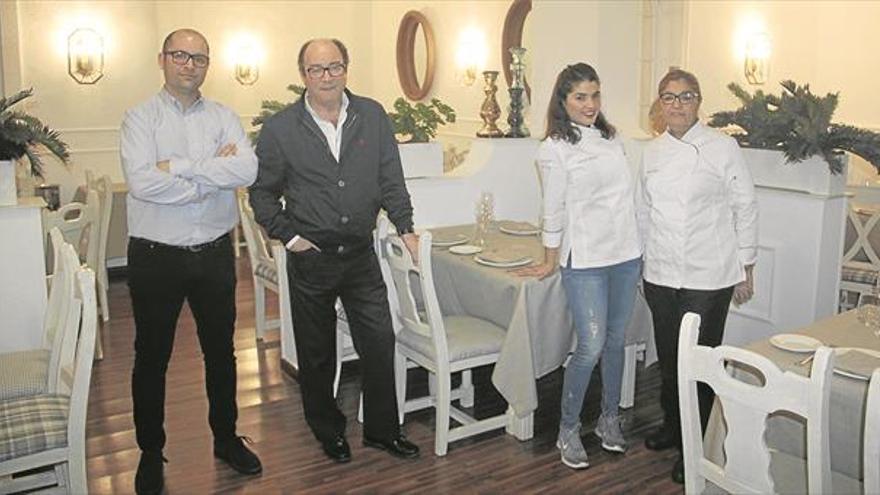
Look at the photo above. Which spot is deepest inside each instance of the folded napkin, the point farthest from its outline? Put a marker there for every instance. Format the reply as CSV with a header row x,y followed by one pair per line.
x,y
857,362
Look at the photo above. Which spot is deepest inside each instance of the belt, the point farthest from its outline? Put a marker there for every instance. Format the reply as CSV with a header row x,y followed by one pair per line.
x,y
345,248
196,248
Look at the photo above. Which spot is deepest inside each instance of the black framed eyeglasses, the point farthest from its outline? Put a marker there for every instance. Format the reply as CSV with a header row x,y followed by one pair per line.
x,y
685,98
180,57
317,71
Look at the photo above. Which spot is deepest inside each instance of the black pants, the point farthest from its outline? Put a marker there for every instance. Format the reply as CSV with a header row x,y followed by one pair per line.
x,y
668,307
316,280
160,278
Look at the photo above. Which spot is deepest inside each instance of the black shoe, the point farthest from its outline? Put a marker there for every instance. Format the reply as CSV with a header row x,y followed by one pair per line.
x,y
238,456
149,478
678,471
661,439
398,446
337,449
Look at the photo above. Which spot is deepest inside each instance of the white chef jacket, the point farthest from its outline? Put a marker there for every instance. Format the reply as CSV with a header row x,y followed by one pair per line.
x,y
589,204
697,211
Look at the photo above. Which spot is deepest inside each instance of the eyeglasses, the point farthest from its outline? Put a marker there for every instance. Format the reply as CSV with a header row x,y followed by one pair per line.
x,y
317,71
685,98
180,57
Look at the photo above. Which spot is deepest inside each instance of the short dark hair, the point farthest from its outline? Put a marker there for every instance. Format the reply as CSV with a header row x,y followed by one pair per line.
x,y
184,31
558,123
680,75
300,62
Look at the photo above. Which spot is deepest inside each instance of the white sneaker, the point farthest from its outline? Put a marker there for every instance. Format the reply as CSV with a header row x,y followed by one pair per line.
x,y
608,430
571,448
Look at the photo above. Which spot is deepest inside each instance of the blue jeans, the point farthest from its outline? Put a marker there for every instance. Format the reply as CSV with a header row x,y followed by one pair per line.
x,y
601,301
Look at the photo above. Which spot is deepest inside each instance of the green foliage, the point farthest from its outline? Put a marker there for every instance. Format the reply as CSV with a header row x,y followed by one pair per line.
x,y
270,107
21,133
799,124
418,123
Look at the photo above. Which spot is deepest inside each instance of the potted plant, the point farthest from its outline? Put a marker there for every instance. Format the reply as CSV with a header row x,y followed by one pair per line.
x,y
796,127
415,126
20,135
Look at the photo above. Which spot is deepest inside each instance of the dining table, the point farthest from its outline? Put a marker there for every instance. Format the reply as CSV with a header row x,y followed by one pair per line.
x,y
534,313
857,354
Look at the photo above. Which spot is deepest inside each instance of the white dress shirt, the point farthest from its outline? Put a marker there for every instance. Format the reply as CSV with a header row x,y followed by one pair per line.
x,y
697,211
588,201
196,202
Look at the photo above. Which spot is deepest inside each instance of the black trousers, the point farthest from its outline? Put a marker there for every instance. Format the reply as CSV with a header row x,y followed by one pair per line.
x,y
668,307
160,279
316,280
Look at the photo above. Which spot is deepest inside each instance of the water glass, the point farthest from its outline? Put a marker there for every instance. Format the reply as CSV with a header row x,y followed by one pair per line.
x,y
869,312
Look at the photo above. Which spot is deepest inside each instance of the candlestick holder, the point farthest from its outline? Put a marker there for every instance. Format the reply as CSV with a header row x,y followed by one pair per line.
x,y
489,110
515,119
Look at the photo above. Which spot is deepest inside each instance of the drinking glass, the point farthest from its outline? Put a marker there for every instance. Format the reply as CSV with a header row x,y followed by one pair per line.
x,y
869,312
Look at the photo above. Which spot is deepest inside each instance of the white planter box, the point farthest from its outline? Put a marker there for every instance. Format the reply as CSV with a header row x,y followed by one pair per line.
x,y
421,159
769,169
7,183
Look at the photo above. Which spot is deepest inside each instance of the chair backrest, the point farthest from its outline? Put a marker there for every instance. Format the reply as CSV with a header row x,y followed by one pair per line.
x,y
380,236
60,283
62,311
253,235
872,435
64,354
861,230
417,306
745,408
104,189
78,222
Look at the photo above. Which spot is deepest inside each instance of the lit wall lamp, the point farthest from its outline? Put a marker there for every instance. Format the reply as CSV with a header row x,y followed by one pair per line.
x,y
85,56
246,56
756,65
470,58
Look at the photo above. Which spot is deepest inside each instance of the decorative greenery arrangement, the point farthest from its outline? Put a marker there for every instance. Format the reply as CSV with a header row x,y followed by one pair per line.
x,y
418,123
270,107
21,133
799,124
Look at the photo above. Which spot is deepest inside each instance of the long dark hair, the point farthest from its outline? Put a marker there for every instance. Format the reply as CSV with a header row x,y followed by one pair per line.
x,y
559,126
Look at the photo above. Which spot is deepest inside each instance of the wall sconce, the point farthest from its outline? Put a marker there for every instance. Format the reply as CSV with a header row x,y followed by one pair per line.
x,y
757,58
246,56
470,58
85,56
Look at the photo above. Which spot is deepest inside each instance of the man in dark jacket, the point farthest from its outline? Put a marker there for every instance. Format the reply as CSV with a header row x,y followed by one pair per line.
x,y
333,158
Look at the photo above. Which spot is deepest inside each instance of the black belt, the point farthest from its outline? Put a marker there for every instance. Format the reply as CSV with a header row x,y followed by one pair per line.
x,y
345,248
196,248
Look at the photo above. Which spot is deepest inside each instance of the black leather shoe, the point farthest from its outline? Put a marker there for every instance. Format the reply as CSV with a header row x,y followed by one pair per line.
x,y
398,446
678,471
661,439
238,456
337,449
150,478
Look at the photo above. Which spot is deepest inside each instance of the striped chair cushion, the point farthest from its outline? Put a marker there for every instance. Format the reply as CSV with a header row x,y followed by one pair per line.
x,y
23,373
858,275
29,425
267,273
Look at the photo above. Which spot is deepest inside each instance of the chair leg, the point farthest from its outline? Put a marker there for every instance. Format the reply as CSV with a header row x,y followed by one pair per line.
x,y
340,344
467,389
260,308
77,480
628,385
442,402
102,296
400,383
99,343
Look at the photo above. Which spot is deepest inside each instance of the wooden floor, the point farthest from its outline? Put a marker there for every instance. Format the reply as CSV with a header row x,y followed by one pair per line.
x,y
270,413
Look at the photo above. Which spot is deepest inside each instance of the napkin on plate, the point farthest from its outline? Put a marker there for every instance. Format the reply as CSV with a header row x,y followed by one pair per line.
x,y
501,256
857,363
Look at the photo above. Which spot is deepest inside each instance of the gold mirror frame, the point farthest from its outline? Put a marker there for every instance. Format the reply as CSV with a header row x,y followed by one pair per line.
x,y
511,36
406,67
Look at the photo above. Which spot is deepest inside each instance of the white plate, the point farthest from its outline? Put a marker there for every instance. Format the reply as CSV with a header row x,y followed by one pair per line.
x,y
453,241
465,249
795,342
844,350
515,231
505,264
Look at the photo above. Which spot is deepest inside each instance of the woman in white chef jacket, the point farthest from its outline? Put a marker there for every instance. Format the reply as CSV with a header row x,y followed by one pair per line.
x,y
590,233
698,218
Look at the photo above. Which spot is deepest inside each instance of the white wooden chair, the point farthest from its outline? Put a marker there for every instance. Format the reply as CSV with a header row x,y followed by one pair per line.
x,y
104,188
751,467
860,267
37,371
872,436
264,268
441,344
49,429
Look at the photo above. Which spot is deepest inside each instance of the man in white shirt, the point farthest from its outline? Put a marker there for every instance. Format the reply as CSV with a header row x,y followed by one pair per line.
x,y
183,158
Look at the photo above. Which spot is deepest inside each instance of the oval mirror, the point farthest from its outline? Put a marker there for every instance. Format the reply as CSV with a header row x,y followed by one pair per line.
x,y
409,47
512,36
